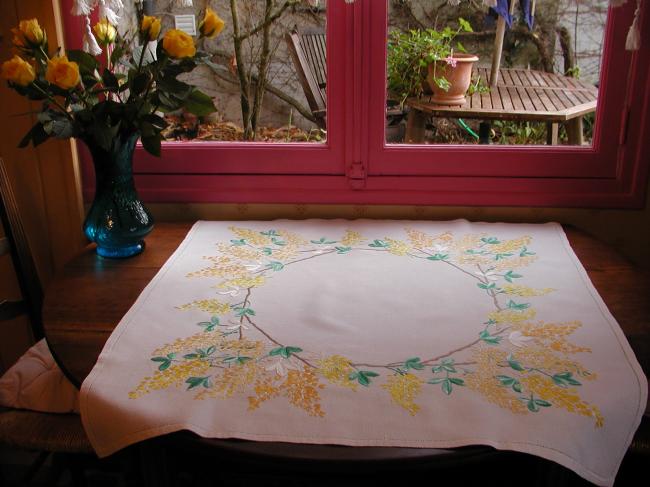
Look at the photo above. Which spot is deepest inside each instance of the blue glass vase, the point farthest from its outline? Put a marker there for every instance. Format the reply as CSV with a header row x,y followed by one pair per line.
x,y
117,220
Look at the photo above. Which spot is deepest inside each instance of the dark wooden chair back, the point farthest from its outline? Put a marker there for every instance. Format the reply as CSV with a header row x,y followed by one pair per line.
x,y
308,51
15,243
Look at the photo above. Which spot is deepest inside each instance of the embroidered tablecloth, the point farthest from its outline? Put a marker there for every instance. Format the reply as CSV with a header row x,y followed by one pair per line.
x,y
384,333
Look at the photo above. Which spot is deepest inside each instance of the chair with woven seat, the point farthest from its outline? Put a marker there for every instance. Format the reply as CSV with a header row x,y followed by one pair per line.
x,y
48,433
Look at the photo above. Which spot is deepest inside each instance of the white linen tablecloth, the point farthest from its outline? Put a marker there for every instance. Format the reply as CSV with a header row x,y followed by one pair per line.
x,y
382,333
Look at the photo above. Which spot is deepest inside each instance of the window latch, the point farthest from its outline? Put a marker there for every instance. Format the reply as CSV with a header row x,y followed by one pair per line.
x,y
357,175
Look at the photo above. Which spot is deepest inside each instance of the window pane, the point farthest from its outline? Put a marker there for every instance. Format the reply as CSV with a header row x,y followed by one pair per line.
x,y
546,87
280,103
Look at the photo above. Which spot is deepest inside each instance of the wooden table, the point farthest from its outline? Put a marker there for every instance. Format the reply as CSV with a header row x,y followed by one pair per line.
x,y
520,95
88,298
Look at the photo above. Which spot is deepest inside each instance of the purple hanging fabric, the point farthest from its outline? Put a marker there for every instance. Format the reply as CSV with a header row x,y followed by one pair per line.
x,y
502,8
526,11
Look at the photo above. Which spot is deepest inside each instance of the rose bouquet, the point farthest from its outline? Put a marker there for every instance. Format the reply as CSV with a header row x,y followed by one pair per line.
x,y
109,95
118,92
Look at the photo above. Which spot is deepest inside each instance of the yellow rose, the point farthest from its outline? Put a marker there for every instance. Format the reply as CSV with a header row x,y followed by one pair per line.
x,y
178,44
212,24
62,73
18,71
150,27
105,32
30,31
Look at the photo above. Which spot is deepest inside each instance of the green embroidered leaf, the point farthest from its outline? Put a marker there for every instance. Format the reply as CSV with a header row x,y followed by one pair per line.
x,y
457,381
524,252
565,379
363,376
447,387
487,338
492,285
502,256
490,240
236,360
506,380
198,381
448,367
267,251
190,356
436,368
165,362
514,364
544,404
323,241
210,325
276,266
285,351
378,244
211,350
436,381
413,363
516,306
277,242
438,257
532,406
244,311
510,275
271,233
238,242
343,250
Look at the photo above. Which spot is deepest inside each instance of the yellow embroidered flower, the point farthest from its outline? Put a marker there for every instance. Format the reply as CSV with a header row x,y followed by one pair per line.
x,y
483,380
18,71
212,24
29,32
525,291
511,316
404,388
174,376
178,44
233,380
150,27
563,397
302,390
62,73
243,282
508,246
337,370
397,247
351,238
419,239
212,306
251,236
105,32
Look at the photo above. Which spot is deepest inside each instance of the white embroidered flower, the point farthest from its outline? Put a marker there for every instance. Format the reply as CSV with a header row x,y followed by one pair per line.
x,y
518,339
439,248
253,267
488,275
234,291
237,327
280,367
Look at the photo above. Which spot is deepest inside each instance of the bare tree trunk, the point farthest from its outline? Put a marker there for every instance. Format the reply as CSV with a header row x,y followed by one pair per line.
x,y
567,51
244,83
263,65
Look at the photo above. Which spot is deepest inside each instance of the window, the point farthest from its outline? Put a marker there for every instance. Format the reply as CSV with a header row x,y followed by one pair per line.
x,y
357,165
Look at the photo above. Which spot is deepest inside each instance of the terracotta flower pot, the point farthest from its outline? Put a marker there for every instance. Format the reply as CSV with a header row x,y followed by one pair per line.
x,y
459,76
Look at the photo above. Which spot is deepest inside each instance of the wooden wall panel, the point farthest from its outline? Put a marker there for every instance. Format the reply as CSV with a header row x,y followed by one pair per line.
x,y
45,180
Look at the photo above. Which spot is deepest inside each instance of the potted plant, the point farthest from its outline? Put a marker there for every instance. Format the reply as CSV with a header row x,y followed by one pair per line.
x,y
433,57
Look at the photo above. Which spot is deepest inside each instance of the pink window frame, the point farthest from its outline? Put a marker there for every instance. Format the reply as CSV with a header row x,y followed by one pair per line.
x,y
356,166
